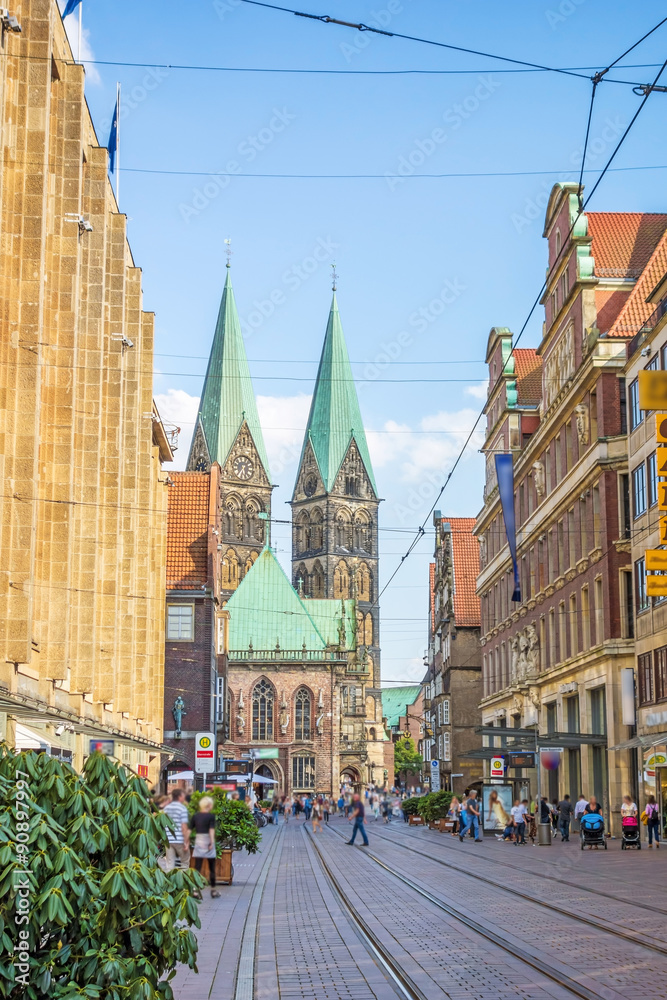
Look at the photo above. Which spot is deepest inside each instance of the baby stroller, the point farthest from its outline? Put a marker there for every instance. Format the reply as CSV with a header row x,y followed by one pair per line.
x,y
592,831
630,833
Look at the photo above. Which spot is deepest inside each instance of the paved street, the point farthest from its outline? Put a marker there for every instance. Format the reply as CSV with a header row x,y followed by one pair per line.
x,y
420,915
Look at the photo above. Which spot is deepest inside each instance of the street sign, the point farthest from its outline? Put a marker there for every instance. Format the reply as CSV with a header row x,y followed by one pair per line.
x,y
551,749
265,753
524,759
205,753
653,390
102,746
497,767
435,775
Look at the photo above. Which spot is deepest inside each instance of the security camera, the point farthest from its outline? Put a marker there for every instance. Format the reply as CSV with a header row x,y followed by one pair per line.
x,y
8,21
59,730
646,352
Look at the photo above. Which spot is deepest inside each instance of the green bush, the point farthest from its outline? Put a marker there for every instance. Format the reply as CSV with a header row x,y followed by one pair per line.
x,y
235,826
411,806
434,806
81,894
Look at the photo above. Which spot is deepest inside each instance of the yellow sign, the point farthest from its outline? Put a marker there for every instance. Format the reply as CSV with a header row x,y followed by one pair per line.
x,y
662,496
662,527
204,742
662,461
656,586
661,428
656,559
653,390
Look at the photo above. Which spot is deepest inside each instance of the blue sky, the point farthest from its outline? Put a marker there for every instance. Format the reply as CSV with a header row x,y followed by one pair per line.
x,y
427,266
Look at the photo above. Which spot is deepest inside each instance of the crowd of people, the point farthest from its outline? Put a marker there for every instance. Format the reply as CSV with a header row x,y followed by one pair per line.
x,y
319,808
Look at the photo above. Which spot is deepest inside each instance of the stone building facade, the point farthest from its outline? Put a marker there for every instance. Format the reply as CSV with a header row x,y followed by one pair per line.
x,y
453,684
553,660
83,523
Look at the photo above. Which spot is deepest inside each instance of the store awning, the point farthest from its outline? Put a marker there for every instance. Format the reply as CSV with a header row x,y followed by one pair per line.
x,y
524,739
645,742
261,780
181,776
32,739
24,709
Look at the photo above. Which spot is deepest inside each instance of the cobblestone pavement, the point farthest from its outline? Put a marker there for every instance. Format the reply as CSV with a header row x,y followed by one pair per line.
x,y
284,931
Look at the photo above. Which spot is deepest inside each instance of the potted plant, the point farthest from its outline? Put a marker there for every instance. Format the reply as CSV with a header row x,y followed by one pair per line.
x,y
235,829
410,808
433,808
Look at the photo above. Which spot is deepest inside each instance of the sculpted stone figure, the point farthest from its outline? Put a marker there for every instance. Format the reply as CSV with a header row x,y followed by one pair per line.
x,y
581,412
515,660
240,717
178,711
283,717
482,550
533,652
539,479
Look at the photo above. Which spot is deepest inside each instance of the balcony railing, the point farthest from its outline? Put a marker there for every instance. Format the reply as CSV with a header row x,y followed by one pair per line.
x,y
287,655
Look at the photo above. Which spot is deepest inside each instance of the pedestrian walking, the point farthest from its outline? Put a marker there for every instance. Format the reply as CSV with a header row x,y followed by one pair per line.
x,y
203,823
628,807
579,809
519,822
376,806
652,821
178,840
454,814
316,815
553,816
565,813
307,807
359,817
326,808
287,807
275,808
386,813
341,803
471,809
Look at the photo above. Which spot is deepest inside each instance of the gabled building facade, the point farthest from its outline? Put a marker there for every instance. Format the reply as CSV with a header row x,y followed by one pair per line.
x,y
553,660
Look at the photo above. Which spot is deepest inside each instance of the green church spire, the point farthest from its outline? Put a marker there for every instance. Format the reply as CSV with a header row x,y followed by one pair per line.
x,y
227,398
335,419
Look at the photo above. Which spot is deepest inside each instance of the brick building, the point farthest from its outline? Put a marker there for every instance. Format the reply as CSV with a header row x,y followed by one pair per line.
x,y
644,318
83,520
403,716
453,683
553,660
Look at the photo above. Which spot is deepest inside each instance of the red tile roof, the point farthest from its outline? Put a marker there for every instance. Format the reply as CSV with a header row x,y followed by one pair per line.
x,y
637,310
187,530
624,241
465,556
528,369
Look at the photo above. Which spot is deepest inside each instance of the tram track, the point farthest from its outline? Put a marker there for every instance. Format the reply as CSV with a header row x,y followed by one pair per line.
x,y
631,936
555,975
533,874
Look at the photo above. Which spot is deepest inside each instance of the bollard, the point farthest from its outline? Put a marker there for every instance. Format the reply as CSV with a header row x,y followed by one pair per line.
x,y
544,834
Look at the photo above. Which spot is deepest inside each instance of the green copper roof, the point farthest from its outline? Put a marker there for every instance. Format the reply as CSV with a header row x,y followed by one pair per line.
x,y
335,417
265,610
227,397
395,700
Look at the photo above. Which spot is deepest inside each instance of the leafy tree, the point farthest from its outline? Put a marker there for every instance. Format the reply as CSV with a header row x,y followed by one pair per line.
x,y
235,825
434,806
85,910
406,758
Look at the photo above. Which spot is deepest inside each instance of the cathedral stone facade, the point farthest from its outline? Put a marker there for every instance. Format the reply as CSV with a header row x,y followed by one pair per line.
x,y
300,667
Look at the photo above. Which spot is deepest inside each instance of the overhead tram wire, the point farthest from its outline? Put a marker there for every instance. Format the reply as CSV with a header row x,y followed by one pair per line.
x,y
582,206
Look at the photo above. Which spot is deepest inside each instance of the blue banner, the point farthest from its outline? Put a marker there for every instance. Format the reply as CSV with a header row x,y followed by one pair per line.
x,y
70,7
112,144
505,475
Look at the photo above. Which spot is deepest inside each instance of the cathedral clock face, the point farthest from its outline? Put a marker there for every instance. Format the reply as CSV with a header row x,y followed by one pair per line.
x,y
243,467
310,486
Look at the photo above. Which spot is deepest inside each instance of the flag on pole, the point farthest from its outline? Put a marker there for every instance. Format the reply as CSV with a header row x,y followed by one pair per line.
x,y
112,144
505,474
70,7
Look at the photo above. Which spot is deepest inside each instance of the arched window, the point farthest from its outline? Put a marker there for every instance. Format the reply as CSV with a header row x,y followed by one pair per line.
x,y
301,581
249,561
372,734
303,773
316,532
343,530
303,532
362,531
558,241
302,710
368,630
230,570
233,518
262,711
317,580
361,640
363,578
341,581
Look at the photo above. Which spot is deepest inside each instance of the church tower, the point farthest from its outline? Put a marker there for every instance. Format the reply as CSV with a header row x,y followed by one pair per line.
x,y
228,432
335,501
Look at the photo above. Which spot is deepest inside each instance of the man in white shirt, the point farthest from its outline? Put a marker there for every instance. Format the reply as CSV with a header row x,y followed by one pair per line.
x,y
579,810
519,820
178,839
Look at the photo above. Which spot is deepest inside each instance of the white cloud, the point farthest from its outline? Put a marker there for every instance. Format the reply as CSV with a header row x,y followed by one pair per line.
x,y
479,391
283,420
178,407
72,28
423,450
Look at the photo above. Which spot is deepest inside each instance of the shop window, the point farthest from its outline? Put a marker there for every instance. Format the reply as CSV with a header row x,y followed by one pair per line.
x,y
303,773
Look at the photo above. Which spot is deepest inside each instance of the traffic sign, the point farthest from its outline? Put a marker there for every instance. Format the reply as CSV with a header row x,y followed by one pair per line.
x,y
497,767
435,775
205,753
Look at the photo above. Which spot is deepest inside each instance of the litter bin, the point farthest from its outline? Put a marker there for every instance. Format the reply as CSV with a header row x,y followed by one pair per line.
x,y
544,834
